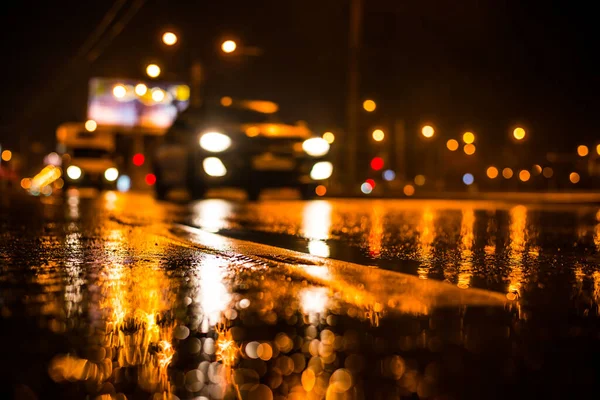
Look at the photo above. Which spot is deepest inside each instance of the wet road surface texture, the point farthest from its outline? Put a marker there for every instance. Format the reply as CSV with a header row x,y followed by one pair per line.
x,y
119,296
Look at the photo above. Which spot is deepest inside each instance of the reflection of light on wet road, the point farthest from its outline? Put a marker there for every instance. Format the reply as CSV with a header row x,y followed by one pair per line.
x,y
212,214
518,225
466,248
316,226
213,296
376,231
314,300
426,230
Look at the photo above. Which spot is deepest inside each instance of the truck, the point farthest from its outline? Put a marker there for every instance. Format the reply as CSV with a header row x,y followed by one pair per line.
x,y
88,155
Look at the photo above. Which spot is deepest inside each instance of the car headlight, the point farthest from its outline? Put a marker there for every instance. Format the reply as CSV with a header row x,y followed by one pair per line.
x,y
111,174
215,142
74,172
315,147
321,170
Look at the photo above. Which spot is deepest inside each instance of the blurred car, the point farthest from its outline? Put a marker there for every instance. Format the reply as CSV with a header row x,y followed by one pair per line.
x,y
89,156
239,145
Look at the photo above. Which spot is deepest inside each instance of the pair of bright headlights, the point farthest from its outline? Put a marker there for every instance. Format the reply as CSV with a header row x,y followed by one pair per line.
x,y
74,172
217,142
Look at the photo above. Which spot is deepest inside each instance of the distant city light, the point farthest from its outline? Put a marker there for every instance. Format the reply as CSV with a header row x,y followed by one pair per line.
x,y
111,174
420,180
228,46
507,173
378,135
428,131
468,179
169,38
153,70
492,172
524,175
582,150
90,125
138,159
409,190
574,177
320,190
226,101
519,133
150,179
598,149
26,183
452,145
53,159
536,169
6,155
377,163
141,89
468,137
547,172
389,175
119,91
123,183
369,105
469,149
371,182
366,188
329,137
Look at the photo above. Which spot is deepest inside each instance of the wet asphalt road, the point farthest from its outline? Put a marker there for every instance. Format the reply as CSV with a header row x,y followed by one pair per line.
x,y
119,296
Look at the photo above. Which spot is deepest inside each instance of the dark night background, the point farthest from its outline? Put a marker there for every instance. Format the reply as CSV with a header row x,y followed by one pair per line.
x,y
478,65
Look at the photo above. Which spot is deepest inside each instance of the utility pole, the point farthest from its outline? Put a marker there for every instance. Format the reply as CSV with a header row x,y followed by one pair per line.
x,y
353,100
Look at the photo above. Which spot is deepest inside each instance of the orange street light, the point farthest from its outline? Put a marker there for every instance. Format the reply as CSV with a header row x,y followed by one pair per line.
x,y
492,172
153,70
228,46
378,135
582,150
169,38
369,105
519,133
468,137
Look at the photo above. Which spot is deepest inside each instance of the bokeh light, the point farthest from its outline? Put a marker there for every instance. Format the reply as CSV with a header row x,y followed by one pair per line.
x,y
519,133
420,180
141,89
409,190
90,125
366,188
492,172
138,159
469,149
123,183
452,144
582,150
377,163
169,38
468,179
369,105
158,95
507,173
228,46
119,91
574,177
524,175
547,172
6,155
150,179
428,131
152,70
536,170
468,137
378,135
320,190
226,101
389,175
329,137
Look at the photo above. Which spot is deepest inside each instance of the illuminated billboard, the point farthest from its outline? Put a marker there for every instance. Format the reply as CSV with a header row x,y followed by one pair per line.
x,y
136,104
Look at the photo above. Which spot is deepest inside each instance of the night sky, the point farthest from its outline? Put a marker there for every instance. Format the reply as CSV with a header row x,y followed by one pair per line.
x,y
468,65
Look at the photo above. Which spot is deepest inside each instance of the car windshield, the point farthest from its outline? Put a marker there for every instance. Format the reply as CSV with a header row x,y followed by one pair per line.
x,y
91,153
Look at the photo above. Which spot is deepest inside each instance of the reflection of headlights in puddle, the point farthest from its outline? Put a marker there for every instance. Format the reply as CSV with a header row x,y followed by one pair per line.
x,y
318,248
214,296
318,272
314,300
